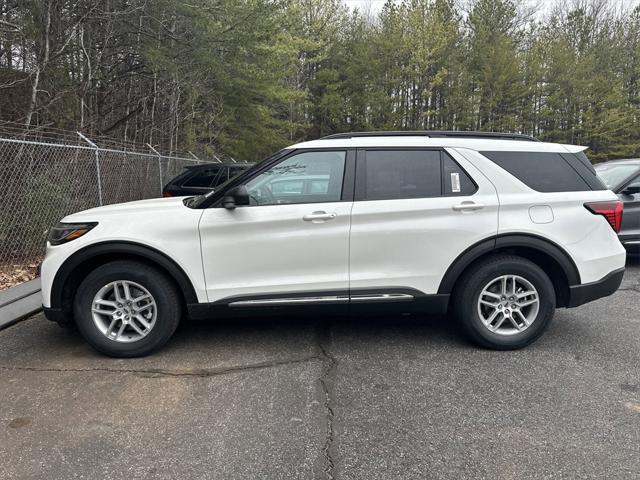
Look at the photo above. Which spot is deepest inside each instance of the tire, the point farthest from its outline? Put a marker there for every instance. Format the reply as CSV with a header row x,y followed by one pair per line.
x,y
524,324
144,330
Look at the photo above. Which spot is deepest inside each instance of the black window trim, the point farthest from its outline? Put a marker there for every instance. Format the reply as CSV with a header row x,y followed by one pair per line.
x,y
361,170
348,177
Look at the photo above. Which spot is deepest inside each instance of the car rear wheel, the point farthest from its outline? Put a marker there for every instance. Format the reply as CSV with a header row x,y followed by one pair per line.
x,y
127,309
505,302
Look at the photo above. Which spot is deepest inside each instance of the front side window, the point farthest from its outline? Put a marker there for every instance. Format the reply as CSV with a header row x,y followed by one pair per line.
x,y
635,183
309,177
613,175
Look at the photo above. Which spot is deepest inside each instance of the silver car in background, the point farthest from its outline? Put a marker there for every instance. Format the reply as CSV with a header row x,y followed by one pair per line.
x,y
623,177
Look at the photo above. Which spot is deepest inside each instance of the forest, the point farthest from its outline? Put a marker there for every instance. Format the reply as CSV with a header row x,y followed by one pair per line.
x,y
247,77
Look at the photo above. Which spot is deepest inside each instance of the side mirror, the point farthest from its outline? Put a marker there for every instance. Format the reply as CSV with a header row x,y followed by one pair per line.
x,y
236,197
631,189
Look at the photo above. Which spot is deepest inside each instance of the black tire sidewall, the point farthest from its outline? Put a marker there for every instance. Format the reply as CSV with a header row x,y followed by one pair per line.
x,y
162,290
480,277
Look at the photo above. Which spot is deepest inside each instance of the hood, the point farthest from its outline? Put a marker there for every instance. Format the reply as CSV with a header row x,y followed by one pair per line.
x,y
151,206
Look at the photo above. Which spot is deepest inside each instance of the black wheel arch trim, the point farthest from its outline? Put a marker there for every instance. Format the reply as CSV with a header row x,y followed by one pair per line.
x,y
507,240
131,248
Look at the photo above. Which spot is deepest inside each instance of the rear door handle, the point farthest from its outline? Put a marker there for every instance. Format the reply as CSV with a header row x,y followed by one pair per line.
x,y
467,207
319,216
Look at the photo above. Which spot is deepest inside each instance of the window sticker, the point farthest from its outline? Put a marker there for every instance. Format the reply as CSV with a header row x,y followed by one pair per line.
x,y
455,182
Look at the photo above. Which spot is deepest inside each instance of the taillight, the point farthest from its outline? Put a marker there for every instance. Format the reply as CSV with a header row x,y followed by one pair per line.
x,y
166,194
612,211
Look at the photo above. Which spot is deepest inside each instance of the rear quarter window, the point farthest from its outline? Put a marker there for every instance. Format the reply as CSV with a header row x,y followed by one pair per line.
x,y
548,171
455,180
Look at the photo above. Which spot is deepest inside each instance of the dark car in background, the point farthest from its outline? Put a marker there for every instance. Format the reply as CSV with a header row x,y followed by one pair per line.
x,y
623,177
203,178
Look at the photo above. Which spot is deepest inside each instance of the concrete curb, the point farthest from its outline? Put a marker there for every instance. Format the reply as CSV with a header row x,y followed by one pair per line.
x,y
19,302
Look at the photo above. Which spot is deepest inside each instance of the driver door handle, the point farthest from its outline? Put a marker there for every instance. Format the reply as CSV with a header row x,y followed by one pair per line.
x,y
467,207
319,216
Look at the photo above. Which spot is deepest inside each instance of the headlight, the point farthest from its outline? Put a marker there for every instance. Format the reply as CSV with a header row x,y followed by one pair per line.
x,y
65,232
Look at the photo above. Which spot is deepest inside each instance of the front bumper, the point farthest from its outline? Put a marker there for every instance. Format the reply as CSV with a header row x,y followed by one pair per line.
x,y
55,314
588,292
630,242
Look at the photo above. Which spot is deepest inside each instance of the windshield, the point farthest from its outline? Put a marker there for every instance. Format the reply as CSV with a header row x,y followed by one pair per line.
x,y
614,174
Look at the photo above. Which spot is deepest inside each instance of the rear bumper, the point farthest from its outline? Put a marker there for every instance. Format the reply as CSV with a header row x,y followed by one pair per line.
x,y
588,292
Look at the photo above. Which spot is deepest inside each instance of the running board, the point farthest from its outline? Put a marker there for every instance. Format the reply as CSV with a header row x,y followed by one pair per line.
x,y
290,301
333,299
382,297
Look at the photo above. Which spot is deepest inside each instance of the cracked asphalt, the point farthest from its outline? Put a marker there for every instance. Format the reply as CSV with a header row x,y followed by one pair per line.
x,y
344,398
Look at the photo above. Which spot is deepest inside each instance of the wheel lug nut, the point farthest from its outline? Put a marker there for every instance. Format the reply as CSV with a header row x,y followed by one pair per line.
x,y
506,311
514,306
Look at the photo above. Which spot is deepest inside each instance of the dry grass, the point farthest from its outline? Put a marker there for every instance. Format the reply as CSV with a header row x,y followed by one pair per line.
x,y
15,274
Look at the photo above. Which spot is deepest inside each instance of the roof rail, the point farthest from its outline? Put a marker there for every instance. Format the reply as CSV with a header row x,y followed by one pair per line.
x,y
435,134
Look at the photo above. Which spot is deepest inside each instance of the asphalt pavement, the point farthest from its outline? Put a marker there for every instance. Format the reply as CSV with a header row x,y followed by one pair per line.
x,y
395,397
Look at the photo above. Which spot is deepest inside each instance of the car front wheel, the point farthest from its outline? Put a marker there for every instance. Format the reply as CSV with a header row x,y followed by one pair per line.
x,y
505,302
127,309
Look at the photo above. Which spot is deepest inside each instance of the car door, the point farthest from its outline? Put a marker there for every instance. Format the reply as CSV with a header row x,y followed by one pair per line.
x,y
415,212
290,244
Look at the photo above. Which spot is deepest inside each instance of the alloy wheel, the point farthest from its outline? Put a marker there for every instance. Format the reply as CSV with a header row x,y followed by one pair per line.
x,y
124,311
508,305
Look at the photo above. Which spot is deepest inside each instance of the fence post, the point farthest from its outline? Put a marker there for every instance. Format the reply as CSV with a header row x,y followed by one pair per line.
x,y
159,165
194,156
97,166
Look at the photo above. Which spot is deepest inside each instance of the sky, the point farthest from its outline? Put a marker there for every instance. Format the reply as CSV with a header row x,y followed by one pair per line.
x,y
376,5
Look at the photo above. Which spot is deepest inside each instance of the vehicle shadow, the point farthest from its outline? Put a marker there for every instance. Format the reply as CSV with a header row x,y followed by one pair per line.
x,y
326,329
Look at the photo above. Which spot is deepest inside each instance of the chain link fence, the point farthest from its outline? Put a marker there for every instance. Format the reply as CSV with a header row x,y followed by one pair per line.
x,y
41,182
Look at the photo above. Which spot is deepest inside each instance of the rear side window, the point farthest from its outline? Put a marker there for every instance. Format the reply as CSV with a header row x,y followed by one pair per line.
x,y
545,171
395,174
203,178
399,174
222,177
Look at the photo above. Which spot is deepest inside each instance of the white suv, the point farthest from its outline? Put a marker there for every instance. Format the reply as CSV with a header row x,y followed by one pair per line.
x,y
500,229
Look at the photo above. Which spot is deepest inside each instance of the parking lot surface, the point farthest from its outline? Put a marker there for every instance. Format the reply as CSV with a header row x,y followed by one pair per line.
x,y
344,398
